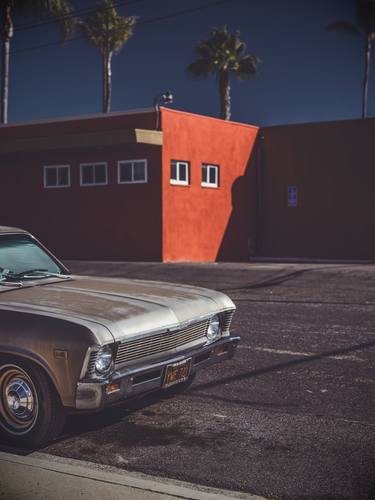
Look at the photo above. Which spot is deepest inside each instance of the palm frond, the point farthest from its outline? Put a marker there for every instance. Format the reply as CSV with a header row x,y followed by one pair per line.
x,y
366,16
343,27
223,51
106,29
223,55
204,51
200,68
246,67
240,49
56,10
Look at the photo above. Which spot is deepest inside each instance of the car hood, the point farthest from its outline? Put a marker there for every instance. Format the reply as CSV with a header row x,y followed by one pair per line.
x,y
124,307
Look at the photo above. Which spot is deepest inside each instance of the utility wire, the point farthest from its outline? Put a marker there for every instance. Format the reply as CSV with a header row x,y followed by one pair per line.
x,y
141,23
183,12
71,15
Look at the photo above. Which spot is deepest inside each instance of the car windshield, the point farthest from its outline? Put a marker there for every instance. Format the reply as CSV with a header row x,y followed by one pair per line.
x,y
20,255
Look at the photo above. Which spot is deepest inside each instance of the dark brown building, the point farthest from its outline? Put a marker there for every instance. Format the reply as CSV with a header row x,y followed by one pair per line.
x,y
316,187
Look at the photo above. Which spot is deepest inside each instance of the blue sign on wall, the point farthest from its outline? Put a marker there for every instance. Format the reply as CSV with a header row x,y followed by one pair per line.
x,y
292,196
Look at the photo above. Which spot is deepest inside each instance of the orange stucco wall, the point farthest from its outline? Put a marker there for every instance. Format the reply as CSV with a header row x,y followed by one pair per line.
x,y
208,224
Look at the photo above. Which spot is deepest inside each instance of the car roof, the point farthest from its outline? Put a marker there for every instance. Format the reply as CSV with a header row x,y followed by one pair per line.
x,y
7,229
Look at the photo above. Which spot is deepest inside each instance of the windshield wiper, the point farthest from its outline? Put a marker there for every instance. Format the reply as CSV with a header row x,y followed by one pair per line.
x,y
7,275
37,273
4,280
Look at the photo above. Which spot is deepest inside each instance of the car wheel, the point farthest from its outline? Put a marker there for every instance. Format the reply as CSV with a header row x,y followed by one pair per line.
x,y
31,412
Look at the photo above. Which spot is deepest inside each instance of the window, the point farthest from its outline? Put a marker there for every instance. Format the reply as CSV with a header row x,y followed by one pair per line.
x,y
132,172
180,172
94,174
57,176
210,175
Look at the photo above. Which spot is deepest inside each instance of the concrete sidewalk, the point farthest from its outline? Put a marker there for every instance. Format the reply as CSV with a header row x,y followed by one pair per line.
x,y
47,477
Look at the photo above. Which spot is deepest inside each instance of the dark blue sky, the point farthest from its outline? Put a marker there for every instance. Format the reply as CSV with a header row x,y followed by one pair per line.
x,y
307,74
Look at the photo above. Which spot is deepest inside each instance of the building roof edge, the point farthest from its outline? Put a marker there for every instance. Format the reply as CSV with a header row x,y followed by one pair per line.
x,y
239,124
137,111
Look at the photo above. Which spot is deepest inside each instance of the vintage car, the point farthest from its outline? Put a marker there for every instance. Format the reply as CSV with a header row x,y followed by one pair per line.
x,y
78,343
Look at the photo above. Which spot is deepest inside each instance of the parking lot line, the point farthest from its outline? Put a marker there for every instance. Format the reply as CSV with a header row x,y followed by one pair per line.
x,y
356,359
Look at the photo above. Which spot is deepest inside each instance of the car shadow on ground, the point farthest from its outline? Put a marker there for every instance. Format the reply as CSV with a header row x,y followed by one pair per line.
x,y
79,424
278,279
284,365
8,447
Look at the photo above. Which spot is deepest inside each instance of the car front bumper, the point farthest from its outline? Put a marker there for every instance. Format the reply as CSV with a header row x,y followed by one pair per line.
x,y
144,378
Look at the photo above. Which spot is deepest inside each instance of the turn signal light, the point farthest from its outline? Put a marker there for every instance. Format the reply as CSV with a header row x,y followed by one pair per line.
x,y
111,388
221,349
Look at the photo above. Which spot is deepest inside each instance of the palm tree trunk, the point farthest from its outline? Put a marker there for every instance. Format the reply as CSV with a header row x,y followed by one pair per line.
x,y
107,81
7,33
105,84
366,76
224,91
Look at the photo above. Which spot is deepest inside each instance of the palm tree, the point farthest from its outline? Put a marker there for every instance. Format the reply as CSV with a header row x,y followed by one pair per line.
x,y
109,32
223,55
59,9
366,27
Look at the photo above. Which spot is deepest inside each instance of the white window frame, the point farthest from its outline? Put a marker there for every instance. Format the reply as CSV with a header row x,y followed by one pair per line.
x,y
131,162
178,182
93,164
209,184
55,167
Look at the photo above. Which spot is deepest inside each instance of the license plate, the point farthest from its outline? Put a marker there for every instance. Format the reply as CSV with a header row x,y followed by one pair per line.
x,y
177,373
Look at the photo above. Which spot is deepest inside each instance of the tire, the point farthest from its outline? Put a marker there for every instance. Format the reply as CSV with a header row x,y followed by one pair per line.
x,y
31,412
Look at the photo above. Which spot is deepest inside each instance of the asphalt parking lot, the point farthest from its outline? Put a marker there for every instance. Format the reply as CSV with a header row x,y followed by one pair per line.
x,y
292,416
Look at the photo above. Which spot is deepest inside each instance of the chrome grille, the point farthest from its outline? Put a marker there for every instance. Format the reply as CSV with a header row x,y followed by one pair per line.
x,y
161,342
226,322
90,371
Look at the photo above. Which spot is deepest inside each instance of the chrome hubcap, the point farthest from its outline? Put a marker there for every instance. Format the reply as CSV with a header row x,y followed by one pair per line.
x,y
18,400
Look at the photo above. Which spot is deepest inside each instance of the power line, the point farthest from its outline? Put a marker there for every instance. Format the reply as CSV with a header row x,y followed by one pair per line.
x,y
183,12
72,15
141,23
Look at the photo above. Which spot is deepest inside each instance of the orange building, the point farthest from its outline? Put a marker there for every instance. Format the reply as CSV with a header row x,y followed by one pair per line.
x,y
113,187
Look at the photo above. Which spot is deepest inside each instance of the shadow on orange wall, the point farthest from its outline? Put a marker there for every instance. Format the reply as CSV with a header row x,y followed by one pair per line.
x,y
239,239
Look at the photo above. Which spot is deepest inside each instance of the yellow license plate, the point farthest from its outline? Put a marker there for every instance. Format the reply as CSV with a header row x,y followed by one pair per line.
x,y
177,373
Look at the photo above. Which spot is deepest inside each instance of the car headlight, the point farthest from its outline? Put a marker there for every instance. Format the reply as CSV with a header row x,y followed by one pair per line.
x,y
214,330
104,360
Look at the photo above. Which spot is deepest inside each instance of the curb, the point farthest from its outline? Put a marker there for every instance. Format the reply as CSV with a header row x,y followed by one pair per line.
x,y
118,477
